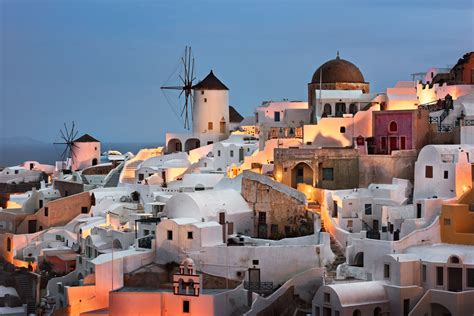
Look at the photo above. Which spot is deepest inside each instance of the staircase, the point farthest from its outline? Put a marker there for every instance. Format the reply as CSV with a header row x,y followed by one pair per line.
x,y
340,258
128,174
25,289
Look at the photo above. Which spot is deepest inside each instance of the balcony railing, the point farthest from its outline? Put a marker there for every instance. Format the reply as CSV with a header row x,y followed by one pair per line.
x,y
259,287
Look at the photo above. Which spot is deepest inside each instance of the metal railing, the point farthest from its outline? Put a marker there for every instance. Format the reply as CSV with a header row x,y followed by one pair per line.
x,y
259,287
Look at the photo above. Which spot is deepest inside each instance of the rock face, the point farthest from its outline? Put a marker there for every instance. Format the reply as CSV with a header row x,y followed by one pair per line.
x,y
279,211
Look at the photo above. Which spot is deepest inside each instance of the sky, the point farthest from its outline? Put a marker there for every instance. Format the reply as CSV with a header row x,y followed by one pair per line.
x,y
101,63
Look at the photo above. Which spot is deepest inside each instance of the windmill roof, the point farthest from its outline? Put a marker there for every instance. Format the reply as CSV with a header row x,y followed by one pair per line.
x,y
234,116
86,138
210,83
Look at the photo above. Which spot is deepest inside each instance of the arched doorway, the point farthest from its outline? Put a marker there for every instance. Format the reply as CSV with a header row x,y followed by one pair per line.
x,y
357,313
301,173
353,108
117,244
439,310
174,145
359,259
94,161
327,109
377,311
191,143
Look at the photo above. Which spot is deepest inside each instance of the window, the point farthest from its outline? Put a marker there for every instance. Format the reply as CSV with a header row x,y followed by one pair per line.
x,y
368,209
146,232
342,129
276,116
447,221
336,313
255,262
446,174
202,92
186,307
9,244
383,143
205,99
353,108
423,273
170,235
328,174
40,203
406,307
392,127
218,153
84,210
141,176
46,212
231,153
439,276
274,230
429,172
470,277
454,260
386,271
418,210
190,235
327,297
210,126
262,217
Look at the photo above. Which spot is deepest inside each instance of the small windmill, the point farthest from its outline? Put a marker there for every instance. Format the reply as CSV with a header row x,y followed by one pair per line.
x,y
68,135
186,78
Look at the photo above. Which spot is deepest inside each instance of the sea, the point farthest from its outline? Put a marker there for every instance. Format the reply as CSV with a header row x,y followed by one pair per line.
x,y
15,153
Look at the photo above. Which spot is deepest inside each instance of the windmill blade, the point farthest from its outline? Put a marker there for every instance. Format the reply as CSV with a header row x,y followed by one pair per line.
x,y
67,132
62,134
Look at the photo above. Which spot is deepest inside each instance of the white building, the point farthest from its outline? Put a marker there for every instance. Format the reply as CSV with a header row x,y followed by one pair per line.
x,y
443,171
222,206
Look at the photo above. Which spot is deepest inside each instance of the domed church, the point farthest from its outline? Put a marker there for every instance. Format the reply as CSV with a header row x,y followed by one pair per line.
x,y
336,75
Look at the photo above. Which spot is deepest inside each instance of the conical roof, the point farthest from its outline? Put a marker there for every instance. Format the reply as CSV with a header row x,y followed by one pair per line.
x,y
210,83
86,138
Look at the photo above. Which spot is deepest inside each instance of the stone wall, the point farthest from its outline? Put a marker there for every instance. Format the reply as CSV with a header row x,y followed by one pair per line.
x,y
343,161
382,168
279,211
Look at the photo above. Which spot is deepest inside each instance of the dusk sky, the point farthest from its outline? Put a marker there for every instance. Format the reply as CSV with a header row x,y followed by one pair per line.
x,y
101,63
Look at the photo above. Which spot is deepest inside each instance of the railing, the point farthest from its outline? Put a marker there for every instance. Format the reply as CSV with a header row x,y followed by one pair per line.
x,y
259,287
468,122
445,128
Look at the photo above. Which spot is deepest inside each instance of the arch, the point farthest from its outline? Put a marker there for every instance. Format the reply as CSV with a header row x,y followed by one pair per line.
x,y
301,173
353,108
117,244
9,244
327,109
359,259
357,313
191,287
439,310
94,161
182,286
377,311
454,260
174,145
192,143
340,109
393,127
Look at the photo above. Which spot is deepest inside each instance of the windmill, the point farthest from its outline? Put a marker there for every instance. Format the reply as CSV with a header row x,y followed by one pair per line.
x,y
186,78
68,135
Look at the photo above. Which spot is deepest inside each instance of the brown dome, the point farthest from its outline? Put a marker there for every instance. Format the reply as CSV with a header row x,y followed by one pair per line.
x,y
338,70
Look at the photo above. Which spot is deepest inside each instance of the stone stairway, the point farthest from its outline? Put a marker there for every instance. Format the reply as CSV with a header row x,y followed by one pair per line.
x,y
25,289
340,258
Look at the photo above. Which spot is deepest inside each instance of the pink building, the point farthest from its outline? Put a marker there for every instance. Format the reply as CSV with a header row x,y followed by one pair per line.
x,y
399,130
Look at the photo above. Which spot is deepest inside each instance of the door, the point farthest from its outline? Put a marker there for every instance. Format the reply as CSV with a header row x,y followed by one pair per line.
x,y
393,143
340,109
418,210
376,225
31,226
262,230
455,279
